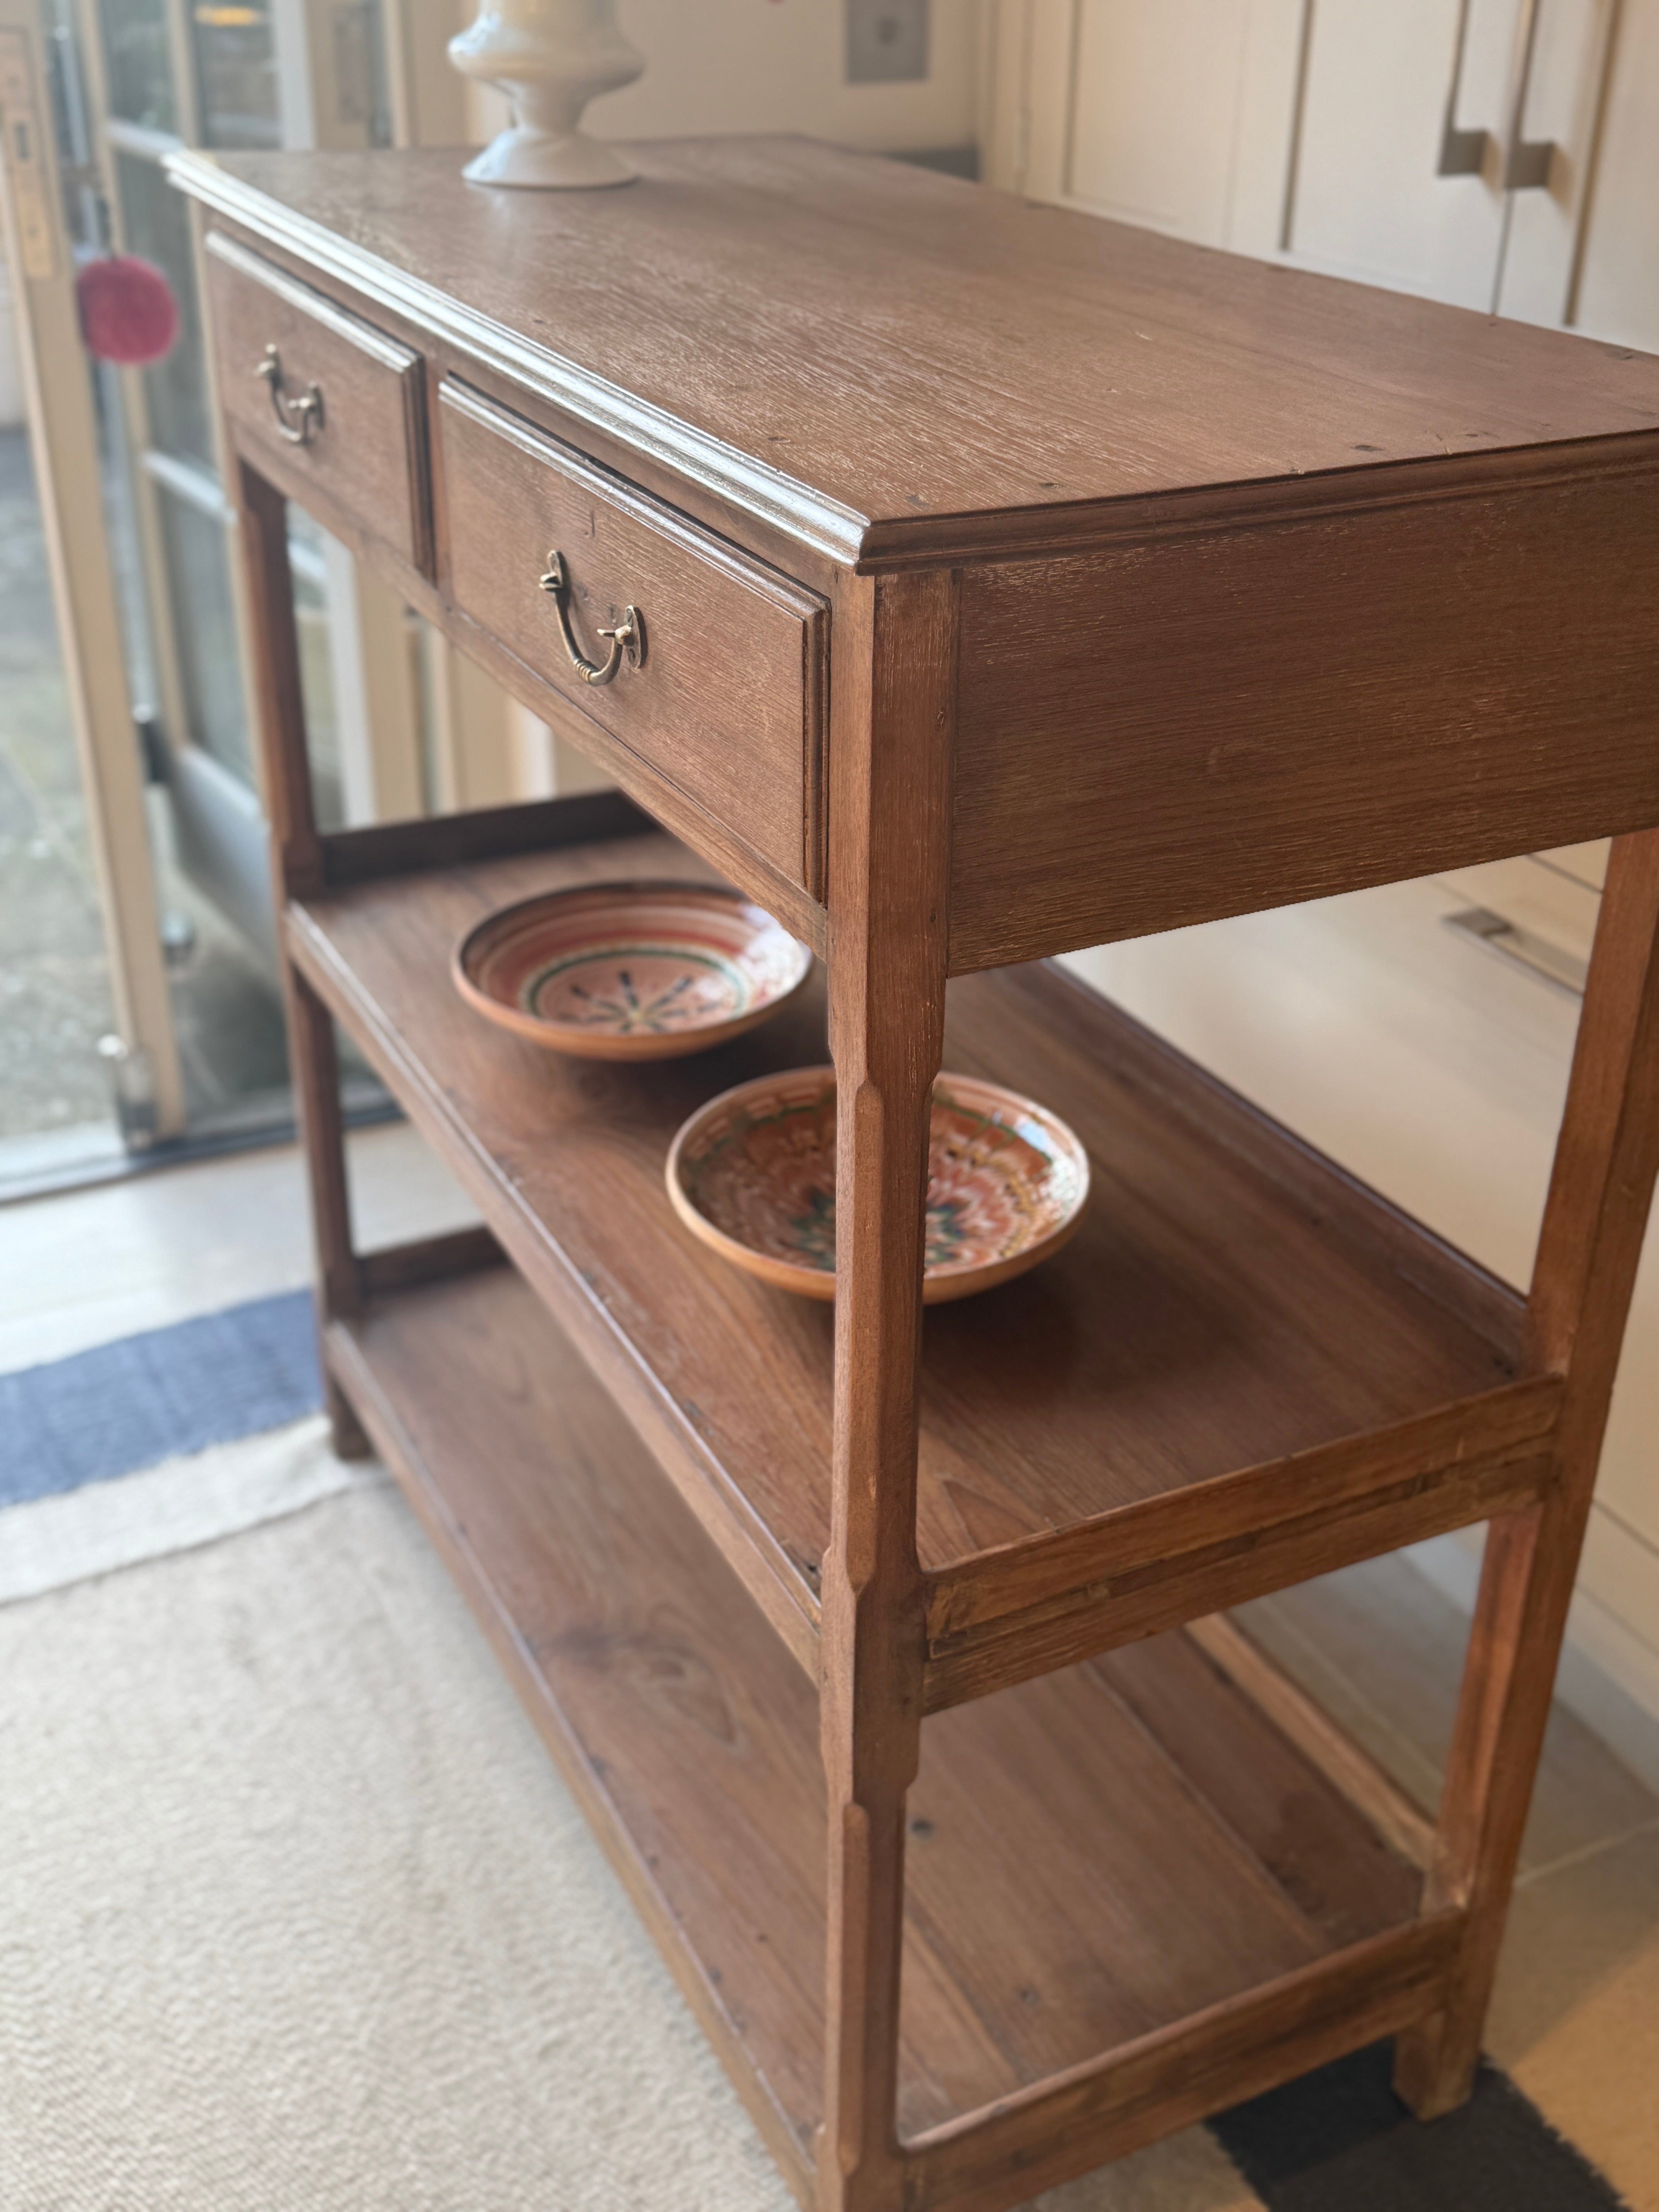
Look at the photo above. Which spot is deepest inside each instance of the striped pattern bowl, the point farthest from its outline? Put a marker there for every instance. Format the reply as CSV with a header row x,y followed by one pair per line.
x,y
753,1174
630,971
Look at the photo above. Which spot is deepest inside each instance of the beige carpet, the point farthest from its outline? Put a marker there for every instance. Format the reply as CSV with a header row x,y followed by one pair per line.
x,y
295,1914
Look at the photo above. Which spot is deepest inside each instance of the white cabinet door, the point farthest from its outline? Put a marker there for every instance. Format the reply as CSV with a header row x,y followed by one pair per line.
x,y
1498,154
1167,125
1173,114
1559,108
1612,289
1380,86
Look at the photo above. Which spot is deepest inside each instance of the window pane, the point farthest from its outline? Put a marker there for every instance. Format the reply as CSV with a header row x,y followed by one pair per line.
x,y
357,74
158,225
135,34
236,74
307,566
54,981
204,630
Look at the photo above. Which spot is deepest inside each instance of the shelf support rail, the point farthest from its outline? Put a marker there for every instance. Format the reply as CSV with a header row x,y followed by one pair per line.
x,y
1108,2106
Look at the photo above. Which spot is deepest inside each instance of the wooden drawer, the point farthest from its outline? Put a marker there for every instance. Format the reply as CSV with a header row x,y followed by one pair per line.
x,y
728,703
360,449
1193,724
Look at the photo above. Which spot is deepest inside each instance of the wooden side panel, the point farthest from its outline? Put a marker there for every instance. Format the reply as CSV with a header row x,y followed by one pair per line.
x,y
1207,724
367,456
728,703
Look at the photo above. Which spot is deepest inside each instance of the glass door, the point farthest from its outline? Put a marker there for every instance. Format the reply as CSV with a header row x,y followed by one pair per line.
x,y
399,725
83,989
147,76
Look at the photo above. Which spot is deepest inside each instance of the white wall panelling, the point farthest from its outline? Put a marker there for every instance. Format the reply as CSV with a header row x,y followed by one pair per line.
x,y
1309,130
728,65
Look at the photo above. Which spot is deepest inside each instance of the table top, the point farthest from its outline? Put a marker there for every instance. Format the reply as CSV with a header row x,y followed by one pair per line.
x,y
864,349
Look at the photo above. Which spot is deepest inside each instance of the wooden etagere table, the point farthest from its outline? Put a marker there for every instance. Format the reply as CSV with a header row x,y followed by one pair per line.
x,y
1011,582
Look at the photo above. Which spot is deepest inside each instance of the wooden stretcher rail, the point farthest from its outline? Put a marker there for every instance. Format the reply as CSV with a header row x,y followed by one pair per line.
x,y
999,2156
444,841
1052,1600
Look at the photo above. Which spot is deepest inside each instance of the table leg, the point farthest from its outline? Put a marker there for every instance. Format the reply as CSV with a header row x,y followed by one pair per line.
x,y
1594,1221
894,687
296,869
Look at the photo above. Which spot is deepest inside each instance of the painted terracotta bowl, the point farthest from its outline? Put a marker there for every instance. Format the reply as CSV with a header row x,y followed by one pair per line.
x,y
753,1174
630,971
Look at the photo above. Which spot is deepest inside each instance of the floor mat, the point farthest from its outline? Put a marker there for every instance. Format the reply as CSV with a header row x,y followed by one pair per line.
x,y
1340,2141
296,1916
143,1398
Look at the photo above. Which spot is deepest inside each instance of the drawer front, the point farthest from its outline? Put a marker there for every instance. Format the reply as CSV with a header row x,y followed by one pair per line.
x,y
336,411
1201,724
727,704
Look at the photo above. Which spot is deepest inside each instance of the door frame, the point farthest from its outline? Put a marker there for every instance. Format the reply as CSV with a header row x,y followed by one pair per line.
x,y
63,440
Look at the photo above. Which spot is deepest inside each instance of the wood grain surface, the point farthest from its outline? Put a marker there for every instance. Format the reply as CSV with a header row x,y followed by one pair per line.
x,y
1396,1817
894,694
1174,1568
870,353
484,833
1090,1859
1166,732
729,702
369,455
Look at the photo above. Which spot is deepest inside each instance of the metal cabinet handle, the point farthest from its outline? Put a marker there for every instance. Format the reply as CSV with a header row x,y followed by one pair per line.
x,y
1526,161
1527,164
297,420
627,639
1462,153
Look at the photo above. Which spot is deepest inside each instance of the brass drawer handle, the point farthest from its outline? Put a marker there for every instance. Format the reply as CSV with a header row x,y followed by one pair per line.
x,y
626,640
297,420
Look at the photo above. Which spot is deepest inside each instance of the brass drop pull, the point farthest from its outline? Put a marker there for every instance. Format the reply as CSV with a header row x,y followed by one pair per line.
x,y
298,420
626,640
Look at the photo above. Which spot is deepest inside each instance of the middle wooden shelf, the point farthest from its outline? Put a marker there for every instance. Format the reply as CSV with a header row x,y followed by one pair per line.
x,y
1244,1370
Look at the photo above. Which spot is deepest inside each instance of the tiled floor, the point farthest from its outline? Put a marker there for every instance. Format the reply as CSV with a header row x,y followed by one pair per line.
x,y
1575,2019
94,1265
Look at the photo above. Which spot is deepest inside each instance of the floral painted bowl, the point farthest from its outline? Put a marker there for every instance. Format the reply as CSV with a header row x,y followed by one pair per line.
x,y
630,971
753,1174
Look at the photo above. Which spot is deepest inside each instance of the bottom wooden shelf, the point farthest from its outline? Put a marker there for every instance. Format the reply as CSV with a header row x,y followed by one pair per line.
x,y
1093,1855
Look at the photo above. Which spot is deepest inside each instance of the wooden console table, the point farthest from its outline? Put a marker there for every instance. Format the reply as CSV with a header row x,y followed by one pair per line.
x,y
1010,582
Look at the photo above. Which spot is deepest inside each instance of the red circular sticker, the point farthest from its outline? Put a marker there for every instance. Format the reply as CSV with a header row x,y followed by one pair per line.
x,y
128,313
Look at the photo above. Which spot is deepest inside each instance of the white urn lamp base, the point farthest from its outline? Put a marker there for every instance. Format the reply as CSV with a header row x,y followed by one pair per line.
x,y
550,58
538,161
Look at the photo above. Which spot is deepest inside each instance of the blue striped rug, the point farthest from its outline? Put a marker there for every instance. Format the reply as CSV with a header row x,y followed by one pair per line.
x,y
127,1405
